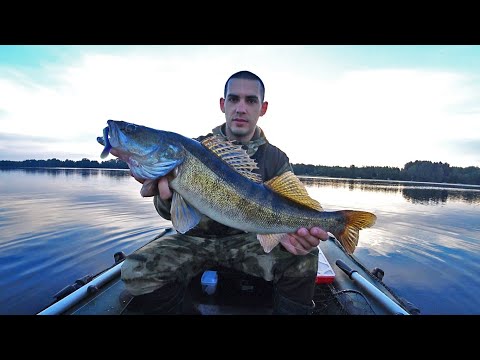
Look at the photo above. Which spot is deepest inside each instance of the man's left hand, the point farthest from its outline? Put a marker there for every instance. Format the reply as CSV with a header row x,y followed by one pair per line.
x,y
304,240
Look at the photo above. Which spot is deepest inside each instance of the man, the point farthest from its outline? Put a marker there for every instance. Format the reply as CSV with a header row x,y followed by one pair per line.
x,y
158,274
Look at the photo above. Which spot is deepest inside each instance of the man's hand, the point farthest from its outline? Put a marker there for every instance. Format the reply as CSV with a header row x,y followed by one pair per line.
x,y
151,187
155,187
303,240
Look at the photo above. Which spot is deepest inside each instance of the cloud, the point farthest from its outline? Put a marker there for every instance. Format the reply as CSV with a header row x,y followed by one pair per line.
x,y
25,139
470,148
383,117
320,112
19,147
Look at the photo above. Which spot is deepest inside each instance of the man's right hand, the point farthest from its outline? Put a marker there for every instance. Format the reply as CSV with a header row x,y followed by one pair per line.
x,y
155,187
151,187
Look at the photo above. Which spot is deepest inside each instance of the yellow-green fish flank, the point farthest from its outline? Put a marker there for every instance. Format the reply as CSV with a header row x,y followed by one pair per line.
x,y
214,178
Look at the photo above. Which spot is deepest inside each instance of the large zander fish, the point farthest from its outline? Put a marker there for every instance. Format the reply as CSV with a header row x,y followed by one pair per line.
x,y
214,177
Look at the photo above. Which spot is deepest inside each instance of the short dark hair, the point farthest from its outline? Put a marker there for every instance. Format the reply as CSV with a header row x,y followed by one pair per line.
x,y
244,74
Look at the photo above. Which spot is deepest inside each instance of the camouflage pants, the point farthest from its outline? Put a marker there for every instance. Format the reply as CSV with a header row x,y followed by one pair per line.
x,y
178,258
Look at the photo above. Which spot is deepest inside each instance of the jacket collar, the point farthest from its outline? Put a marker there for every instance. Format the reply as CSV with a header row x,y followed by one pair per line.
x,y
257,140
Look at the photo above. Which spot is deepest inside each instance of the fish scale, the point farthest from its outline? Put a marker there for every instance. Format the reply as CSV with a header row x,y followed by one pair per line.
x,y
214,178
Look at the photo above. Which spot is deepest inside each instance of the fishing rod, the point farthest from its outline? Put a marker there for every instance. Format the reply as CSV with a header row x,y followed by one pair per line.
x,y
378,295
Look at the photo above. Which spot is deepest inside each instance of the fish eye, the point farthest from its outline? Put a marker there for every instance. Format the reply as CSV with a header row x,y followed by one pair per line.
x,y
130,128
170,151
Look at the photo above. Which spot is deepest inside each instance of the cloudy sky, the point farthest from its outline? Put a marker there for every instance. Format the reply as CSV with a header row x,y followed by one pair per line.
x,y
328,105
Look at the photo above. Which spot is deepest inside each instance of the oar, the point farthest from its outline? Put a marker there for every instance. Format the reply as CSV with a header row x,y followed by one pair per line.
x,y
383,299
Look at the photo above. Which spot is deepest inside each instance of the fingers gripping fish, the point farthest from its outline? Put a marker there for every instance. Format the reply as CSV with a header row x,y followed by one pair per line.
x,y
214,177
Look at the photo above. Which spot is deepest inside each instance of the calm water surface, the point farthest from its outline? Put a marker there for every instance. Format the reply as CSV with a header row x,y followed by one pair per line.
x,y
58,225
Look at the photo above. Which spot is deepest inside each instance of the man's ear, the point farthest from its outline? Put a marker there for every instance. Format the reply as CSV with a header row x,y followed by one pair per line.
x,y
222,105
264,108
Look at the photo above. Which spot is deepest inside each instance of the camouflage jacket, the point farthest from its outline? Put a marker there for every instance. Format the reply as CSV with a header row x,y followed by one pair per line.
x,y
271,162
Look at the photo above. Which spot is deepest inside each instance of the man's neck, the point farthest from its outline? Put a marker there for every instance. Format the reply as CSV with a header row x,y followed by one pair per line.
x,y
243,139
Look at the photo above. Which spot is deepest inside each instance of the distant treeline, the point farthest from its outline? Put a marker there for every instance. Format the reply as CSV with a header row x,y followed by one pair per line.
x,y
413,171
84,163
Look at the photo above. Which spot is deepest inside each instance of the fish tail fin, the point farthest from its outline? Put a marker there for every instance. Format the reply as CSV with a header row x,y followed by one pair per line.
x,y
354,222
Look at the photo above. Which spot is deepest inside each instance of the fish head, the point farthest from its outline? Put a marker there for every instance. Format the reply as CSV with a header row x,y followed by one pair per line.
x,y
149,153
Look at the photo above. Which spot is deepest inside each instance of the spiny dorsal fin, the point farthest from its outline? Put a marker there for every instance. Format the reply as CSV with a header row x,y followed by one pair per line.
x,y
233,155
290,186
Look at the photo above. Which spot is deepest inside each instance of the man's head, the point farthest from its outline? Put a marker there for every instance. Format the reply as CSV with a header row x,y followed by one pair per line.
x,y
243,103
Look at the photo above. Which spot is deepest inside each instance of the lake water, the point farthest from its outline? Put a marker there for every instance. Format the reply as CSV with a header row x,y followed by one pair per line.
x,y
58,225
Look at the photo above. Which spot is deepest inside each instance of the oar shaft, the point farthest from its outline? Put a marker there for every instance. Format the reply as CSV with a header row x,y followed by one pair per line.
x,y
368,287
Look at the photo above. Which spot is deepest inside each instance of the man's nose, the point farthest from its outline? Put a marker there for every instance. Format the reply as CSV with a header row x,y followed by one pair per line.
x,y
241,106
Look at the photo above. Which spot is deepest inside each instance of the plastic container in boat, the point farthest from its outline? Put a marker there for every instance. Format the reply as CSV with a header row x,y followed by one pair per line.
x,y
209,282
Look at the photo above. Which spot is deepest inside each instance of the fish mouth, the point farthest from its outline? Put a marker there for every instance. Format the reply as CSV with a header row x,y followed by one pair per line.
x,y
111,137
105,142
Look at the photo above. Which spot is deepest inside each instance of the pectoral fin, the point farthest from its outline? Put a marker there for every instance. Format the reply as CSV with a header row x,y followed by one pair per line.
x,y
269,241
184,216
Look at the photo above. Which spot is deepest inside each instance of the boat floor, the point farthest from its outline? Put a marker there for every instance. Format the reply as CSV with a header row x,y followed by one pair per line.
x,y
236,296
241,294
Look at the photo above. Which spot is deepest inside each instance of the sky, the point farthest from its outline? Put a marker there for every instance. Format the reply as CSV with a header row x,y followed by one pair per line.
x,y
333,105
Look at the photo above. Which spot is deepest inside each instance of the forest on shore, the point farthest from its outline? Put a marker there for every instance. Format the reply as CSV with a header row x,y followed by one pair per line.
x,y
412,171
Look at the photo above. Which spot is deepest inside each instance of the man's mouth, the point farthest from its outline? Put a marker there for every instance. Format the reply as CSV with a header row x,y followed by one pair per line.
x,y
240,121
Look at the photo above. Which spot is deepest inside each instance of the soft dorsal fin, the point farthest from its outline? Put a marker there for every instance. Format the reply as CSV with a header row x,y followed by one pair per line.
x,y
288,185
233,155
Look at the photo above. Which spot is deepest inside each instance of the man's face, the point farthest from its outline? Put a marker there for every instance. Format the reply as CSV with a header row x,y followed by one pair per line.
x,y
242,108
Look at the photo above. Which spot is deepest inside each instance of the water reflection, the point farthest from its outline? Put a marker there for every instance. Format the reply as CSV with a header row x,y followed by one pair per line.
x,y
118,173
57,225
420,193
426,196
